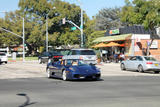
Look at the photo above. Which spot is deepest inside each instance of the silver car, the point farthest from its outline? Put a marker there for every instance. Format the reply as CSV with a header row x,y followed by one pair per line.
x,y
87,55
141,64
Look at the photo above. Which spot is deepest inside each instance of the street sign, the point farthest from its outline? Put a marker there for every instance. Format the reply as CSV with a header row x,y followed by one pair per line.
x,y
73,28
112,32
63,20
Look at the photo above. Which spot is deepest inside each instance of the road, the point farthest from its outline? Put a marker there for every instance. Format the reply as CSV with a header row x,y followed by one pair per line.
x,y
122,91
26,84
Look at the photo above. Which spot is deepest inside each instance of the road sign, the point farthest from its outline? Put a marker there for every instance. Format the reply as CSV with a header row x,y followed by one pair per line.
x,y
73,28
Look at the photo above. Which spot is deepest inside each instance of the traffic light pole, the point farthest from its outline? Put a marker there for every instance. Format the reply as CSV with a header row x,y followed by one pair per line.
x,y
82,41
80,28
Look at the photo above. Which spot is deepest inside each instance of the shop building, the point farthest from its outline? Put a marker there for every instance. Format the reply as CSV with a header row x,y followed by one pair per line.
x,y
132,40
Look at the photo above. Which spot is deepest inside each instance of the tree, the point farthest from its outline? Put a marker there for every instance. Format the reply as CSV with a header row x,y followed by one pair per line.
x,y
142,12
108,18
11,23
58,34
35,12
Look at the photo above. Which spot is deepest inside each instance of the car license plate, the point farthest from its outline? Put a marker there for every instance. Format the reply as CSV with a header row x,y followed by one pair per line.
x,y
156,64
81,77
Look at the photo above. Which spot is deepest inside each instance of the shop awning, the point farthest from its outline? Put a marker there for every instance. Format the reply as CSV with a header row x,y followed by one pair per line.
x,y
112,44
99,45
112,38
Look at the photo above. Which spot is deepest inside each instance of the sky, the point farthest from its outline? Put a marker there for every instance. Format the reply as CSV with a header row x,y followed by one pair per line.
x,y
91,7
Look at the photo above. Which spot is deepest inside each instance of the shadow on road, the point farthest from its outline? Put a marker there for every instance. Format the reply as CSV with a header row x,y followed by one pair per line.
x,y
87,80
27,102
80,80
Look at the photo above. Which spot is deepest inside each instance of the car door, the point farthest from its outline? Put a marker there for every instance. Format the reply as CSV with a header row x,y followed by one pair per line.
x,y
137,62
52,68
59,68
130,63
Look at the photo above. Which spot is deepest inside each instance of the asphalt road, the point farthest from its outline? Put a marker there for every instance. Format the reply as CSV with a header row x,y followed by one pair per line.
x,y
111,91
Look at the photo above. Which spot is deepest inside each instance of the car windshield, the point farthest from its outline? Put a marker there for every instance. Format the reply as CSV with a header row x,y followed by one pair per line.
x,y
55,53
75,62
150,59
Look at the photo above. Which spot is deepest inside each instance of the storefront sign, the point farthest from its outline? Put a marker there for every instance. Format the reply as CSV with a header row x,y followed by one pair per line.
x,y
154,44
112,32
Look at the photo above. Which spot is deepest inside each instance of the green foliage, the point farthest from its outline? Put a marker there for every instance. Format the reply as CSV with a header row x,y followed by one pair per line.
x,y
108,18
35,13
143,12
93,36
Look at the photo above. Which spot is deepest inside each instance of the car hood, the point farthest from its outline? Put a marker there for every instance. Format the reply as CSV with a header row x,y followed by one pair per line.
x,y
86,69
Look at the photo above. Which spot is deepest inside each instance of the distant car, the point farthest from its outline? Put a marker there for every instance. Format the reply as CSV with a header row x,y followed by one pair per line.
x,y
0,61
141,64
71,69
3,57
55,55
43,57
87,55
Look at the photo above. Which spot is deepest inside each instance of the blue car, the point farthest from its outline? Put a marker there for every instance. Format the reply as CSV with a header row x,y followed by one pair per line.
x,y
72,69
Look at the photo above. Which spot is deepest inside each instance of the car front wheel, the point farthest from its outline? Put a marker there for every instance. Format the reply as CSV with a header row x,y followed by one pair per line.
x,y
40,61
49,73
123,67
64,75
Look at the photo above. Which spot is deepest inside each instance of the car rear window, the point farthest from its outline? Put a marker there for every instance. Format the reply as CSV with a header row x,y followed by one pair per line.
x,y
2,54
87,52
150,59
83,52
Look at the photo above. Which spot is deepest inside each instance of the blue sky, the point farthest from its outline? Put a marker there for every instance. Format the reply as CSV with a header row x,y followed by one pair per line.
x,y
90,6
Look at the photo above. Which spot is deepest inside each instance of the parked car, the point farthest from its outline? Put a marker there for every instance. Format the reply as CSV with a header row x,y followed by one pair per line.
x,y
3,57
141,64
53,55
87,55
71,69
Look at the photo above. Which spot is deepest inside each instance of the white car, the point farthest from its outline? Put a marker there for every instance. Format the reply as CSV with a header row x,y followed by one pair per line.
x,y
3,57
141,64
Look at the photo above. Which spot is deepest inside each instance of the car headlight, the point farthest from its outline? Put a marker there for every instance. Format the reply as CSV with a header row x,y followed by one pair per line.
x,y
98,69
72,69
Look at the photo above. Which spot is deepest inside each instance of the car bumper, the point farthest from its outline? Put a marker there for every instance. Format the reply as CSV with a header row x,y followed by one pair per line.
x,y
152,69
84,76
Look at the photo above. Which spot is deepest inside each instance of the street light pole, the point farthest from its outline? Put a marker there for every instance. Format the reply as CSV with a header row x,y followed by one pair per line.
x,y
23,42
47,33
47,30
